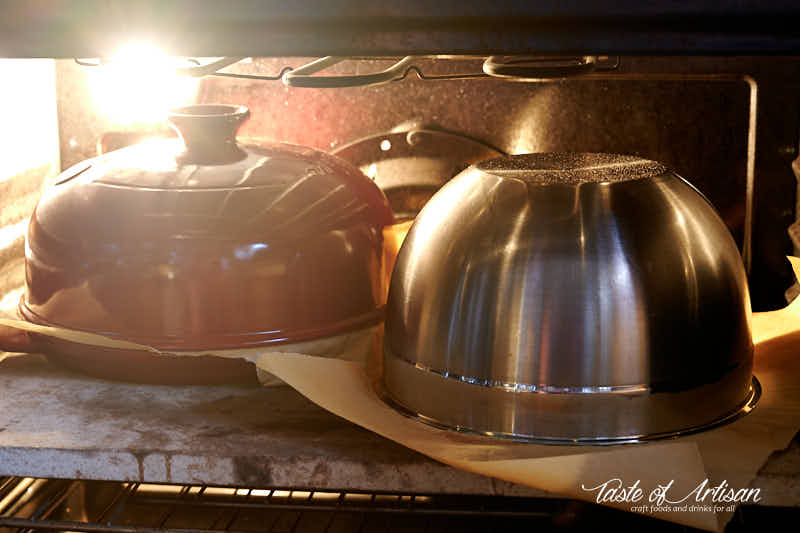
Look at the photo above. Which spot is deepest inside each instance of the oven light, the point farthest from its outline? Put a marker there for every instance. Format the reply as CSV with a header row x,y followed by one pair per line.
x,y
10,234
139,85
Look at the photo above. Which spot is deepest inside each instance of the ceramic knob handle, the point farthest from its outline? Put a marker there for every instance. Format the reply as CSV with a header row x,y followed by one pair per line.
x,y
209,132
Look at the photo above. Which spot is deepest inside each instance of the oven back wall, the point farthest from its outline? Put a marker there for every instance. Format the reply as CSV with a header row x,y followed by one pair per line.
x,y
696,124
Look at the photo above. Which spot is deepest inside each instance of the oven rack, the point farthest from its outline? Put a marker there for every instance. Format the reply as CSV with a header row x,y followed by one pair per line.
x,y
310,75
130,507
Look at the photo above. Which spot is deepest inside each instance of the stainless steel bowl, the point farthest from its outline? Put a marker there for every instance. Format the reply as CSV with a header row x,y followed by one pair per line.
x,y
570,298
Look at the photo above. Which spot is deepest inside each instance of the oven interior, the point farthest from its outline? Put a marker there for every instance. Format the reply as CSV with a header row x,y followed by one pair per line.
x,y
729,125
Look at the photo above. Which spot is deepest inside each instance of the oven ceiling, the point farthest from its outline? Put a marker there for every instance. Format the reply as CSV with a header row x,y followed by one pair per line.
x,y
87,28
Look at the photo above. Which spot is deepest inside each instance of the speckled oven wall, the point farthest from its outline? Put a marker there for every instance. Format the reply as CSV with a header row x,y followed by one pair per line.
x,y
653,119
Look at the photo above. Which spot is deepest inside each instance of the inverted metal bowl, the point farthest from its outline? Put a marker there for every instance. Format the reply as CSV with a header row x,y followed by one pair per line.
x,y
578,298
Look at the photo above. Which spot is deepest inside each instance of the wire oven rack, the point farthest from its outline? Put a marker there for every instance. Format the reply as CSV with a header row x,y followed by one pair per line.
x,y
520,68
31,504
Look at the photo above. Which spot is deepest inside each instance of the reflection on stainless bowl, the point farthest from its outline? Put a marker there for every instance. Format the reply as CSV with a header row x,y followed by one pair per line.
x,y
570,298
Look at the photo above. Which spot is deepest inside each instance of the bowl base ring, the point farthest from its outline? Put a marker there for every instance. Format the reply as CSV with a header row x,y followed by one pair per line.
x,y
746,407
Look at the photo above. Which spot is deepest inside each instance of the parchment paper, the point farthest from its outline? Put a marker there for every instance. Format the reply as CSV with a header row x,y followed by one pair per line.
x,y
355,346
733,453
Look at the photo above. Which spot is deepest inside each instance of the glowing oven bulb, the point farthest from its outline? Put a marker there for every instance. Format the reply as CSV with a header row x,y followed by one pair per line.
x,y
139,85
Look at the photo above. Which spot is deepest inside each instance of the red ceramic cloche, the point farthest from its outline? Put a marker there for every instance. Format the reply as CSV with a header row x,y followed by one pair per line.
x,y
200,243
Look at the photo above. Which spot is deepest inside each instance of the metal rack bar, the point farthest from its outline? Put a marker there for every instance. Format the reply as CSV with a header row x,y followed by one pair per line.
x,y
308,75
166,514
350,508
6,485
61,525
304,76
131,489
262,77
334,512
11,491
48,507
236,512
20,495
123,489
296,521
369,510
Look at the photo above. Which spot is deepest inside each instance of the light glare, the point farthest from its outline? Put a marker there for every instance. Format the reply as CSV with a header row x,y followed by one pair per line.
x,y
139,85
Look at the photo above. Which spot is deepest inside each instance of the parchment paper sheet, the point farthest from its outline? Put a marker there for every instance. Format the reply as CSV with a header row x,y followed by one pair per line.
x,y
733,453
356,346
